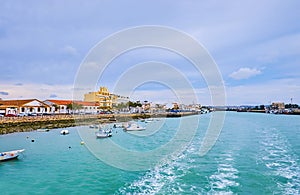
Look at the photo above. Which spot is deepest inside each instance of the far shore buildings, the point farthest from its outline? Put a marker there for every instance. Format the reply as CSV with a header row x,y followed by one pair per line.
x,y
105,99
278,105
94,102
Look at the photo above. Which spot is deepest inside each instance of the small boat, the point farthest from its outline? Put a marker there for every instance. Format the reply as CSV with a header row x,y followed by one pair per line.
x,y
149,120
10,155
117,125
42,130
64,132
93,126
134,127
103,134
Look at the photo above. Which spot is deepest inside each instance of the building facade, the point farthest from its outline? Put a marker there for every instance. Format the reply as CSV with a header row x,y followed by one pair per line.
x,y
26,107
278,105
72,107
105,99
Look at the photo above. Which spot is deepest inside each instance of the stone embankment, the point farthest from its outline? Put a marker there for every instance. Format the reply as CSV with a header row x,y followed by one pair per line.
x,y
31,123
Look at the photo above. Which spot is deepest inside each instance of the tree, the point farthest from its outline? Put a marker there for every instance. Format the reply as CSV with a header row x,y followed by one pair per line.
x,y
121,105
134,104
74,106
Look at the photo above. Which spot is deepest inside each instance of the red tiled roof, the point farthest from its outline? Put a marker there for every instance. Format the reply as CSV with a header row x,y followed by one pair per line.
x,y
18,103
61,102
66,102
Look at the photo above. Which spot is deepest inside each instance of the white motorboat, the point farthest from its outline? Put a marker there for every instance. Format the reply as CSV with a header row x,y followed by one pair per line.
x,y
117,125
134,127
10,155
103,134
93,126
64,132
149,120
42,130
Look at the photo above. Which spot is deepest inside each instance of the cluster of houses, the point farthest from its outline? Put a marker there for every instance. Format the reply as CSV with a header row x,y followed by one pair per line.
x,y
47,107
93,103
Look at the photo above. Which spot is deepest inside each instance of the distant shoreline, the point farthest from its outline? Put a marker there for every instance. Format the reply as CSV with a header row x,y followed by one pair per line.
x,y
29,123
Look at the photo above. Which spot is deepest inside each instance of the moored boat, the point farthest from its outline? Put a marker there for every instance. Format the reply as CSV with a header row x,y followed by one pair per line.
x,y
10,155
149,120
134,127
117,125
64,132
103,134
42,130
93,126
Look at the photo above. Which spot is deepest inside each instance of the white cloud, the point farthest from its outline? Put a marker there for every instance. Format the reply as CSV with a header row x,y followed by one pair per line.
x,y
39,91
264,93
245,73
70,50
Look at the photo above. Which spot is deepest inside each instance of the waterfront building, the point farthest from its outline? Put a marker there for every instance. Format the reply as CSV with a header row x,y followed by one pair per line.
x,y
119,99
105,99
28,106
175,106
72,107
278,105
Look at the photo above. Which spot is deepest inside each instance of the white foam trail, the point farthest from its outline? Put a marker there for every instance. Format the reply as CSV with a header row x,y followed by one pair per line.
x,y
163,176
154,180
226,176
278,157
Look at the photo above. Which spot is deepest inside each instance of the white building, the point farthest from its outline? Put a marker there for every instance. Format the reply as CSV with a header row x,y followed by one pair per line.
x,y
29,106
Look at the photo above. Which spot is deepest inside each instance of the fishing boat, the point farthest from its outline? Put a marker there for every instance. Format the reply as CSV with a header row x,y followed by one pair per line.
x,y
10,155
64,132
134,127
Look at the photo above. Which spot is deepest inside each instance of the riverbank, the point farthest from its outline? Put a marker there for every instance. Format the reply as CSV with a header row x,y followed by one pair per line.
x,y
25,124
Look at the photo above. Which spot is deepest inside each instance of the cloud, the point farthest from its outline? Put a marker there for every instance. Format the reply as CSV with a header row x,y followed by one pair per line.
x,y
264,93
245,73
35,90
3,93
69,50
19,84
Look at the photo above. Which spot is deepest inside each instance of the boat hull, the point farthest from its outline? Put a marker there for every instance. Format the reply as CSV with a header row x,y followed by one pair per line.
x,y
10,155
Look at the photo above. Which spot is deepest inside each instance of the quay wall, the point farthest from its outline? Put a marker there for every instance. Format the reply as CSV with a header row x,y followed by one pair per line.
x,y
31,123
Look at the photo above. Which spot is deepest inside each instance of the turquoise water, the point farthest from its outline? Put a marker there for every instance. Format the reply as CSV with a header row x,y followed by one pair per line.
x,y
255,154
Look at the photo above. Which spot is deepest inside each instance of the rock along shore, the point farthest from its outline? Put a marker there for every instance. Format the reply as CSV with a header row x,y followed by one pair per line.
x,y
30,123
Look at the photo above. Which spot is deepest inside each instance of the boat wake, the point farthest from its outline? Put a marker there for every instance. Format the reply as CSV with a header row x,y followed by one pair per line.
x,y
277,155
226,176
165,178
185,174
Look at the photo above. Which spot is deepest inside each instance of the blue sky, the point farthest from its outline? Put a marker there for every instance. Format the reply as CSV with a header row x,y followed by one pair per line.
x,y
254,43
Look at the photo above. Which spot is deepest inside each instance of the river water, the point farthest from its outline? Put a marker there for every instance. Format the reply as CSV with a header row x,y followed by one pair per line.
x,y
254,154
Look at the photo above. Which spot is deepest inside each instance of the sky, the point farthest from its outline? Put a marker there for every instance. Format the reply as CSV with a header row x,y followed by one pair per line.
x,y
255,45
